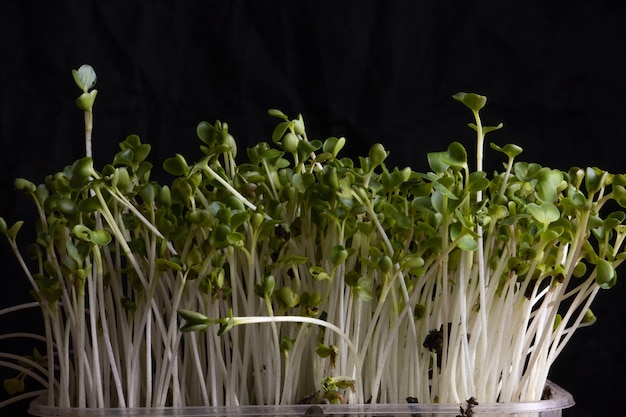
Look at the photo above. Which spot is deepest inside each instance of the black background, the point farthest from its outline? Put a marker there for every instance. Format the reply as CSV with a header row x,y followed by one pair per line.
x,y
372,71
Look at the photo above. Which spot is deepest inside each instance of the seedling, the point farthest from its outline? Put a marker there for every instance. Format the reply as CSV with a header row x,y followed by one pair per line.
x,y
302,271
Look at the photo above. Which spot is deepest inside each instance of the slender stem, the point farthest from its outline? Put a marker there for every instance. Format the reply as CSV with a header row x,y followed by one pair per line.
x,y
88,132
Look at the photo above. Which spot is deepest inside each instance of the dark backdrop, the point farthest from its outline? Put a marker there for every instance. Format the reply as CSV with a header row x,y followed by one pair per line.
x,y
373,71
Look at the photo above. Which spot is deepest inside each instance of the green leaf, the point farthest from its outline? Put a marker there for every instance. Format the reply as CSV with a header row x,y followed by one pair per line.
x,y
148,192
89,205
401,220
619,193
120,178
456,155
472,101
268,283
290,143
551,234
362,289
377,154
286,344
72,250
436,161
193,316
412,261
589,317
325,351
547,182
199,217
272,155
219,236
545,213
100,237
85,77
525,171
141,152
580,270
333,145
323,157
594,180
385,264
487,129
441,187
278,113
509,149
287,297
291,260
206,133
238,219
23,185
194,327
85,101
305,147
465,239
13,230
235,239
132,141
467,243
606,277
619,189
338,255
81,172
176,165
164,264
14,385
318,273
280,130
82,232
124,157
478,181
298,125
436,200
577,198
67,206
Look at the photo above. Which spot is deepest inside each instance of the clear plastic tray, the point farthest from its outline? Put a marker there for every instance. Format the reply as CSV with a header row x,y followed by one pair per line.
x,y
553,407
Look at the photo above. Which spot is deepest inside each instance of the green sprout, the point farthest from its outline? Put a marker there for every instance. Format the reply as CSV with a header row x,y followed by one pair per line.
x,y
85,78
299,270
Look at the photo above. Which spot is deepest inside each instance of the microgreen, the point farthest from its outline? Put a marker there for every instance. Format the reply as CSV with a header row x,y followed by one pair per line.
x,y
300,274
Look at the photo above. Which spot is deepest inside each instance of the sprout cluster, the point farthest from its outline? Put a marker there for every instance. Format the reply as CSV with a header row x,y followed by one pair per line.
x,y
301,275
